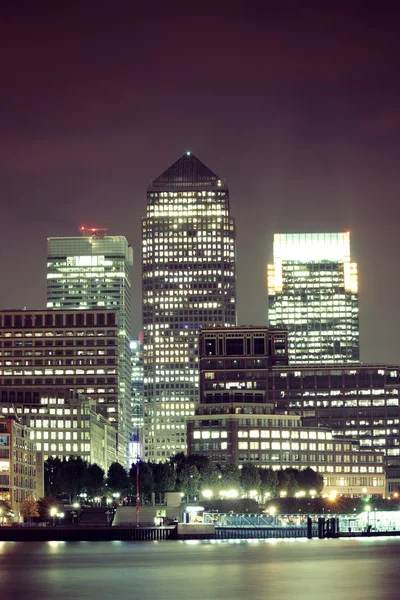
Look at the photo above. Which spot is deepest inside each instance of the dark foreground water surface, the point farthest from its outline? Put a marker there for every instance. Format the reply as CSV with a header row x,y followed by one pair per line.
x,y
348,569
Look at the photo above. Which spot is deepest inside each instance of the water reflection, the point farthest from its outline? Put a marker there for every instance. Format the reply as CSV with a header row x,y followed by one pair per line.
x,y
348,569
54,545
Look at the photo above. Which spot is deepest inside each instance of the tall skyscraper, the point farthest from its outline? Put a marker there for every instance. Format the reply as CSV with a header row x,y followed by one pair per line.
x,y
188,282
313,291
136,444
94,271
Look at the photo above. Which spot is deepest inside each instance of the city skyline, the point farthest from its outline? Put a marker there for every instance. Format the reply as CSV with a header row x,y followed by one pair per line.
x,y
296,106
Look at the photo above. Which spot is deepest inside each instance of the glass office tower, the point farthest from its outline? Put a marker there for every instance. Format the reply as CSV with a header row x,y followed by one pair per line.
x,y
188,282
89,271
136,445
313,291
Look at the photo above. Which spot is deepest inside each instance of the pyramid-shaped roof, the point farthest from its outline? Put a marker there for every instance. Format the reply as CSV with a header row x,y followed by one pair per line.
x,y
187,172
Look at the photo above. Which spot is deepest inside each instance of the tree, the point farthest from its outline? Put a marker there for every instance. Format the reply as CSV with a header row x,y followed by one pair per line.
x,y
210,477
52,478
188,481
117,478
45,504
200,461
146,479
269,482
72,474
230,477
5,510
29,508
309,479
178,460
250,478
164,477
93,480
283,481
293,484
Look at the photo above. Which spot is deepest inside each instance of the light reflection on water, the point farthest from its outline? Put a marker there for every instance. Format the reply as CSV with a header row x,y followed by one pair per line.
x,y
347,569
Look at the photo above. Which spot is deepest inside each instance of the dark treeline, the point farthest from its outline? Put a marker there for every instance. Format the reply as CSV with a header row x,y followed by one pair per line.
x,y
191,475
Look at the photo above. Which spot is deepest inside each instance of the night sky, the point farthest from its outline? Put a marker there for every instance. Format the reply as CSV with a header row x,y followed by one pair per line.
x,y
295,104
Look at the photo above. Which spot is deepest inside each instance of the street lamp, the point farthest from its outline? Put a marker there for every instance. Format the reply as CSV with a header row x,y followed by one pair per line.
x,y
368,509
53,512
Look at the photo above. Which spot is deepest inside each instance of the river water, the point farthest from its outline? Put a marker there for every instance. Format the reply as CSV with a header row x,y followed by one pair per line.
x,y
347,569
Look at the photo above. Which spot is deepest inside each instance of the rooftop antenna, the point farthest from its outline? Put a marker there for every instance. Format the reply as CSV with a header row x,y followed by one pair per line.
x,y
95,232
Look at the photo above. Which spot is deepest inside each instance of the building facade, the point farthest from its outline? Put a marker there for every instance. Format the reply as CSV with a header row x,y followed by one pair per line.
x,y
63,424
21,466
189,281
313,292
252,434
64,350
360,402
94,271
137,397
357,402
254,408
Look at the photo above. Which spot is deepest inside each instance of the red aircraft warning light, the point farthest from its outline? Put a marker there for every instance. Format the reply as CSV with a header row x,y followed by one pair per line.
x,y
96,232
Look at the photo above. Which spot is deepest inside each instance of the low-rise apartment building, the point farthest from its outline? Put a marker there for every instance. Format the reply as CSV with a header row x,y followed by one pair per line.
x,y
63,424
21,466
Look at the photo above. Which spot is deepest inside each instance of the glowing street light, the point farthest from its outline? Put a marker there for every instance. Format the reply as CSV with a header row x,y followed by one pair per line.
x,y
53,512
272,510
207,493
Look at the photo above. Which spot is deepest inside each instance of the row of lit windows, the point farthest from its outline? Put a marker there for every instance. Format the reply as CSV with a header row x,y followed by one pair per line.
x,y
61,447
59,435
